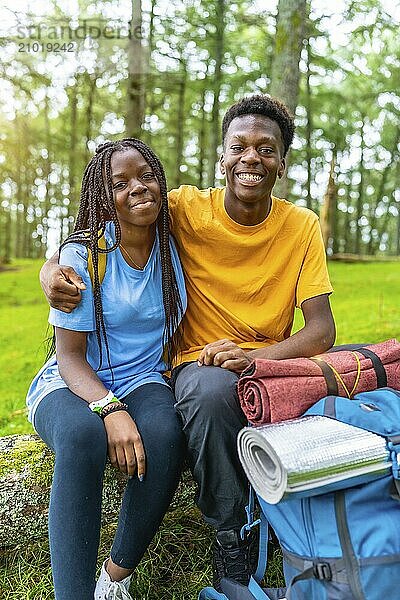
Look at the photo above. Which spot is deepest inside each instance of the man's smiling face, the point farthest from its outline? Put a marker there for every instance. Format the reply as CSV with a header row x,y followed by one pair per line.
x,y
252,160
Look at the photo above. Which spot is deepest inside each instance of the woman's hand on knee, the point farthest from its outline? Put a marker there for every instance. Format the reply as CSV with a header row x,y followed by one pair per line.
x,y
125,447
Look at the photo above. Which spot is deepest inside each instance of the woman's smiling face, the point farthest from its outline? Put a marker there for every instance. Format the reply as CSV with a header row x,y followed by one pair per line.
x,y
137,194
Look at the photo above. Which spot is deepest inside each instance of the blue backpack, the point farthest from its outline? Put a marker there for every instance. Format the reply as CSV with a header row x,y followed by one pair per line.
x,y
342,545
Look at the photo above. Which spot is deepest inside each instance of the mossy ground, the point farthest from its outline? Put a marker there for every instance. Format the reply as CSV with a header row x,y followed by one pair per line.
x,y
31,454
175,567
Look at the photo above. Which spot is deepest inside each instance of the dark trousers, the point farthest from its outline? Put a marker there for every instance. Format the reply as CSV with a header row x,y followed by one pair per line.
x,y
78,438
208,405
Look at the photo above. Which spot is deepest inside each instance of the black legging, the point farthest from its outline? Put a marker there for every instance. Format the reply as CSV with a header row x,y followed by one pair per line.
x,y
78,438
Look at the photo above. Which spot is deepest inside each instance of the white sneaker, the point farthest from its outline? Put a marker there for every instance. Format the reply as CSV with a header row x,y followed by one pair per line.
x,y
106,589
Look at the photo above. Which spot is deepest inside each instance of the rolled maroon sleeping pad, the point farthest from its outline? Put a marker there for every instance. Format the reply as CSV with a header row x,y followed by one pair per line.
x,y
276,390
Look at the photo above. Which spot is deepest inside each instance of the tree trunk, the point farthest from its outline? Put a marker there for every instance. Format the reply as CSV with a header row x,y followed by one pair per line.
x,y
396,245
151,77
19,224
29,227
309,128
46,177
180,124
290,30
373,243
217,81
285,72
360,192
136,78
89,112
398,233
20,199
151,28
7,235
201,144
328,210
73,192
386,217
347,219
26,469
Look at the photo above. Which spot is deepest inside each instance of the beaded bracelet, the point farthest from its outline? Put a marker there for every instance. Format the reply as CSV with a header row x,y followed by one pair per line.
x,y
113,407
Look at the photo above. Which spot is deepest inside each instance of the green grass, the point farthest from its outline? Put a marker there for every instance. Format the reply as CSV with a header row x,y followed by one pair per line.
x,y
365,304
23,325
366,308
176,565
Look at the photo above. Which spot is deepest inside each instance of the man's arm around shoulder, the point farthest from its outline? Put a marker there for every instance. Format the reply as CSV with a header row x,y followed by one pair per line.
x,y
61,285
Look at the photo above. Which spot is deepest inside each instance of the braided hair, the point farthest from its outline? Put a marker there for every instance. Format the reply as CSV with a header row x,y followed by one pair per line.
x,y
96,208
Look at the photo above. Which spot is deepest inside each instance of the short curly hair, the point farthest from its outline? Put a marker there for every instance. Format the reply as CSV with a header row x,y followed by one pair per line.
x,y
266,106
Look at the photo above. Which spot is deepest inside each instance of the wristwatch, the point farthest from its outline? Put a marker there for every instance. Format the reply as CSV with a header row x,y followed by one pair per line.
x,y
98,405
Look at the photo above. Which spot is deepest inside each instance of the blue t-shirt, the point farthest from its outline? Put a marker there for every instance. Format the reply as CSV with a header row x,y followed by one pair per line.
x,y
134,318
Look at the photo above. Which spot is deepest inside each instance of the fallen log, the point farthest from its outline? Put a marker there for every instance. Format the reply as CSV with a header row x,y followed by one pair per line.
x,y
365,258
26,468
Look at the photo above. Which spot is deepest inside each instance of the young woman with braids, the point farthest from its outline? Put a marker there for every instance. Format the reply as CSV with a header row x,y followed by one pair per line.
x,y
103,393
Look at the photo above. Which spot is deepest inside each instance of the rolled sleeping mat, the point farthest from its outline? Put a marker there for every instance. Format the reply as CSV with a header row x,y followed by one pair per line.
x,y
309,456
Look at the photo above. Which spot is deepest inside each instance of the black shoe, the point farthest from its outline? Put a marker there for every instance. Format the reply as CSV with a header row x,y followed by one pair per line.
x,y
233,557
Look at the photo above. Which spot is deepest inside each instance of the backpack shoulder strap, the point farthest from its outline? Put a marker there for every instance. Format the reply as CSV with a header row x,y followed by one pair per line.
x,y
102,260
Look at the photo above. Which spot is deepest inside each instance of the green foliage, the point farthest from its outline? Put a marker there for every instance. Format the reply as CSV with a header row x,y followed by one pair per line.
x,y
351,101
58,106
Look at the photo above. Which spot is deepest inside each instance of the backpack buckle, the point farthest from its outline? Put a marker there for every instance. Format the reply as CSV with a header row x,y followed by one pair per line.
x,y
249,525
394,449
251,522
322,571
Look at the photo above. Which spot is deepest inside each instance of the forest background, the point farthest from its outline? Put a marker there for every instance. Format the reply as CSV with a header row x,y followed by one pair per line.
x,y
74,74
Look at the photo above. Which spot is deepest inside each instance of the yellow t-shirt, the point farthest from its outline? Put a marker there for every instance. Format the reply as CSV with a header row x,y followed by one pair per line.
x,y
243,282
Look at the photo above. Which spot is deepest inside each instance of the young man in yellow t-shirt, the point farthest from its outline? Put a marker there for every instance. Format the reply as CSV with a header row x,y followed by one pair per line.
x,y
249,259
